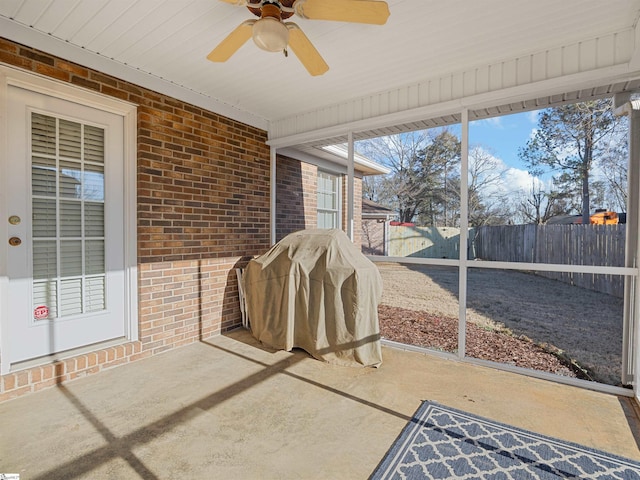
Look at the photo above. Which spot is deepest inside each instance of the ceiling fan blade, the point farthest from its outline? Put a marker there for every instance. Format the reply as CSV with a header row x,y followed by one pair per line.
x,y
357,11
232,43
241,3
305,51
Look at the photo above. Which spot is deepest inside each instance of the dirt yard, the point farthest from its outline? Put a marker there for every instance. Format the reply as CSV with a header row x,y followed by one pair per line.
x,y
515,317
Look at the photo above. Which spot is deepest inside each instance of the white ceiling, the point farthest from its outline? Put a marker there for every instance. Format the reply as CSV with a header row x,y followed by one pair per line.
x,y
165,44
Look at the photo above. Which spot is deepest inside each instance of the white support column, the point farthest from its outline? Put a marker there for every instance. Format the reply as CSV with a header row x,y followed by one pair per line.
x,y
386,238
272,197
633,212
464,234
630,334
350,186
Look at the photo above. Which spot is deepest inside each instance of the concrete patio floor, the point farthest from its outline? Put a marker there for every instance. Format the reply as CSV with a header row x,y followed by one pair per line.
x,y
229,408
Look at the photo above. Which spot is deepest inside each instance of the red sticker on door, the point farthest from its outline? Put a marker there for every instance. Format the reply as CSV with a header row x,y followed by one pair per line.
x,y
41,312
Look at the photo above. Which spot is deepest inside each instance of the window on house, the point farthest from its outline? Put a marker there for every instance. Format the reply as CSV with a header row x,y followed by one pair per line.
x,y
328,200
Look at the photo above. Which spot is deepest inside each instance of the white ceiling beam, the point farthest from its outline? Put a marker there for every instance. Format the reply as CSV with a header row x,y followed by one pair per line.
x,y
554,86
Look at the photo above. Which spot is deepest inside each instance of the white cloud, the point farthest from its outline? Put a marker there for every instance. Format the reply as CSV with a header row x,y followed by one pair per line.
x,y
494,122
513,182
517,180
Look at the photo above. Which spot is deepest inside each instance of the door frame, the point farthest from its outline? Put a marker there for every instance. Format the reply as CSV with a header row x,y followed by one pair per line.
x,y
39,84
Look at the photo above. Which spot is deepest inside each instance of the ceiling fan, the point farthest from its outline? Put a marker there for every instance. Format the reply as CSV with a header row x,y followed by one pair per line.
x,y
272,34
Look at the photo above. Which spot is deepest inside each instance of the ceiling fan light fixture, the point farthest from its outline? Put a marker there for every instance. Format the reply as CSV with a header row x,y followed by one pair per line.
x,y
270,34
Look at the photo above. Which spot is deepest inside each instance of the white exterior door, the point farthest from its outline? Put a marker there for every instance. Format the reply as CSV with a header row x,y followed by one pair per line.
x,y
65,260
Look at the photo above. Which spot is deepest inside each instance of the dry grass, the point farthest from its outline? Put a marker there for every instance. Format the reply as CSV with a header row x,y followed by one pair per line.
x,y
575,323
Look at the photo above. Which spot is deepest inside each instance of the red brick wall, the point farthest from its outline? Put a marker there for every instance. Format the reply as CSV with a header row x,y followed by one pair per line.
x,y
203,208
296,196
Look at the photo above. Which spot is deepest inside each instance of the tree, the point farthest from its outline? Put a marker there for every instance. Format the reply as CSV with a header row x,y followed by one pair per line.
x,y
488,204
569,139
398,190
441,168
614,165
419,162
538,206
371,187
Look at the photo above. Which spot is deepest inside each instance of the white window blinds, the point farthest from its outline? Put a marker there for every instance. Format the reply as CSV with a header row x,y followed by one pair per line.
x,y
328,200
67,182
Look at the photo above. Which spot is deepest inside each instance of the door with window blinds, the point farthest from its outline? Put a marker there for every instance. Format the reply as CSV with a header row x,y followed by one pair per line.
x,y
66,273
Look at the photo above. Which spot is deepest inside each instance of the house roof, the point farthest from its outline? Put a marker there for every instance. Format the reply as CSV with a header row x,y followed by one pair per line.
x,y
430,61
337,156
375,210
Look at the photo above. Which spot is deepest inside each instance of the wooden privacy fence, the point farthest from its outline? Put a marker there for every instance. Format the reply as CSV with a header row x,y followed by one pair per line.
x,y
601,245
425,242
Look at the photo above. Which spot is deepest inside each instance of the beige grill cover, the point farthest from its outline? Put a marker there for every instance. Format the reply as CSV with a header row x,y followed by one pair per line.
x,y
316,291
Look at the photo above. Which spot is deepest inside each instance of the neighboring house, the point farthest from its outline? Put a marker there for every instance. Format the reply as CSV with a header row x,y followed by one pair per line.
x,y
375,227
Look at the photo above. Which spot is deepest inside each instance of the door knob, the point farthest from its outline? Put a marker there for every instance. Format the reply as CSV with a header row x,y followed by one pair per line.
x,y
14,241
14,219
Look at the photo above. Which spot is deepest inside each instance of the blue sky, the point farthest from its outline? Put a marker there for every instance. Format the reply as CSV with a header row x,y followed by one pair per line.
x,y
504,135
499,140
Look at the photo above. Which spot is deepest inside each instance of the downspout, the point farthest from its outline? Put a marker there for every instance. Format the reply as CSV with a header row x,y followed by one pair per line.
x,y
630,335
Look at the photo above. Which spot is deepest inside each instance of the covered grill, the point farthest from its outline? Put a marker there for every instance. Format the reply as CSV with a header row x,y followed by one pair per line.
x,y
315,290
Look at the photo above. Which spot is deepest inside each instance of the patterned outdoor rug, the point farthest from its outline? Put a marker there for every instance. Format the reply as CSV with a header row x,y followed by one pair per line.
x,y
441,442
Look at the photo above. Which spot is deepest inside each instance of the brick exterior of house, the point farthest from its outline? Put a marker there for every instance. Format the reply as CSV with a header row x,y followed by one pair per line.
x,y
297,200
202,207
